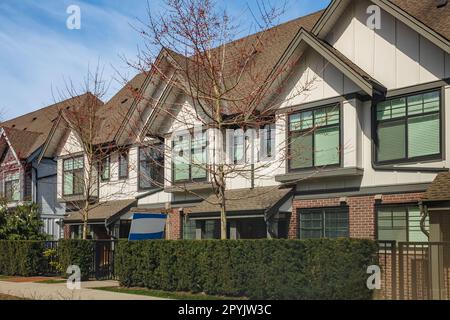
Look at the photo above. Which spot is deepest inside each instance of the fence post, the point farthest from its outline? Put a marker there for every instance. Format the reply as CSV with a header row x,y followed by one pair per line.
x,y
394,269
400,271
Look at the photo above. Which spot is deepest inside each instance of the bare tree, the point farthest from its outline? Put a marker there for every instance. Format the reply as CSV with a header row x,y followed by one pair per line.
x,y
229,83
89,125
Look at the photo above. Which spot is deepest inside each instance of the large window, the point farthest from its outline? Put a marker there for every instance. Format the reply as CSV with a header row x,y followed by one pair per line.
x,y
323,223
189,158
123,164
400,223
151,167
409,128
207,229
12,186
314,138
73,176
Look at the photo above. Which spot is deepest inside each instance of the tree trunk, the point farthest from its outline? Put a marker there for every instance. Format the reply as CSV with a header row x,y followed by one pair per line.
x,y
223,221
222,201
85,227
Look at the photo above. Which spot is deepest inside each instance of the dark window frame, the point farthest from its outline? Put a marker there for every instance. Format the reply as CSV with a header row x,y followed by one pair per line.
x,y
153,177
404,119
189,179
312,130
106,159
73,176
8,187
323,213
121,154
404,205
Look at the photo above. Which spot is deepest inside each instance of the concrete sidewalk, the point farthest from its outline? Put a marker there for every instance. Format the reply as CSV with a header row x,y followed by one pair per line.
x,y
59,291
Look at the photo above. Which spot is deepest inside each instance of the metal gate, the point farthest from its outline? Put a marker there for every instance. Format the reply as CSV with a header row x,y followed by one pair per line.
x,y
415,270
103,260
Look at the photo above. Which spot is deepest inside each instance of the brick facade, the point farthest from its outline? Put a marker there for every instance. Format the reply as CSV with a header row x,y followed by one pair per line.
x,y
174,225
361,211
66,229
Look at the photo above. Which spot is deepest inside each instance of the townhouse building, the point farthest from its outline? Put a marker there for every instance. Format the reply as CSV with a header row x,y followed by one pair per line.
x,y
22,179
363,153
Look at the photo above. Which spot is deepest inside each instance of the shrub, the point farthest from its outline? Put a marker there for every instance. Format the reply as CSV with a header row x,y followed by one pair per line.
x,y
22,258
76,252
258,269
31,258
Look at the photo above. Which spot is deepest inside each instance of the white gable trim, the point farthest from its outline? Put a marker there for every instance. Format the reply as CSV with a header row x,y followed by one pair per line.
x,y
336,7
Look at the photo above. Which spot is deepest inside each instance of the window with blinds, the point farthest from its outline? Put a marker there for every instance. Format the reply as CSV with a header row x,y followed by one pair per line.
x,y
314,138
400,223
409,128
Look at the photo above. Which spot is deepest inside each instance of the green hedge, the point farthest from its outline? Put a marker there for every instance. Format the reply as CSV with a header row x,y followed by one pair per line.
x,y
26,258
76,252
258,269
22,258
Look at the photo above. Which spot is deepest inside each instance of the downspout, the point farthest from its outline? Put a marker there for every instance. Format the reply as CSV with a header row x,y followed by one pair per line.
x,y
34,198
423,216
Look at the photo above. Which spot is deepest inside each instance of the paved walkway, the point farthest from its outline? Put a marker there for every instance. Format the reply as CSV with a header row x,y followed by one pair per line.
x,y
59,291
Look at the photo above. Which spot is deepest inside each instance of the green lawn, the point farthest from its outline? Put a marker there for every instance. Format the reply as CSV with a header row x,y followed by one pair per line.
x,y
2,277
51,281
167,294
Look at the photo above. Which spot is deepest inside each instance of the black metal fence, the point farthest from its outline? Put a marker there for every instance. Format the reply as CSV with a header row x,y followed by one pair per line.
x,y
102,259
415,270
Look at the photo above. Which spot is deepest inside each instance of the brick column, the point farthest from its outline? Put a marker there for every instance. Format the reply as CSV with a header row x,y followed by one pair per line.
x,y
175,225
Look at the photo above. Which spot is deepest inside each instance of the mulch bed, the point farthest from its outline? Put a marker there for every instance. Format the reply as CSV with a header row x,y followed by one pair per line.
x,y
28,279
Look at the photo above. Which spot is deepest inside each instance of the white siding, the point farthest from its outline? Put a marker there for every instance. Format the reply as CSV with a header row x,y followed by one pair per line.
x,y
395,55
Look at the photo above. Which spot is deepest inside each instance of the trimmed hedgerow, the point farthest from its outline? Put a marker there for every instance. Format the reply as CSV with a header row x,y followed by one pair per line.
x,y
22,258
76,252
258,269
30,258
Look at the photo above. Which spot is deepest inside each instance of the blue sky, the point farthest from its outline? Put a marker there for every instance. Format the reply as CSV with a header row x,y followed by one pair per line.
x,y
38,53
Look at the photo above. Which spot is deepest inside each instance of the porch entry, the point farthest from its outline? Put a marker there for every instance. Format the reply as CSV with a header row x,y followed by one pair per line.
x,y
252,213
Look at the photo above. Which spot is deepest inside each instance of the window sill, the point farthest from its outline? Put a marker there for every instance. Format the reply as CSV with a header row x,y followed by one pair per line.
x,y
319,174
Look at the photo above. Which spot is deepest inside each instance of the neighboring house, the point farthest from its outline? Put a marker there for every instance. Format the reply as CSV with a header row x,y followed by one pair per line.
x,y
118,187
364,173
22,180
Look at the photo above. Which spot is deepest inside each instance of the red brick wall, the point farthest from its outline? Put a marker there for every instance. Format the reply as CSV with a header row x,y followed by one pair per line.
x,y
66,230
175,225
361,212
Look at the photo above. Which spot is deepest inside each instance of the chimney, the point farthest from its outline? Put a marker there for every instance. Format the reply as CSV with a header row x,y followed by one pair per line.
x,y
441,3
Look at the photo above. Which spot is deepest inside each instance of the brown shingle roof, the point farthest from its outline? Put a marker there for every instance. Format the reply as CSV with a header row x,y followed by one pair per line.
x,y
35,126
256,199
115,110
23,142
439,190
427,12
268,47
103,210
